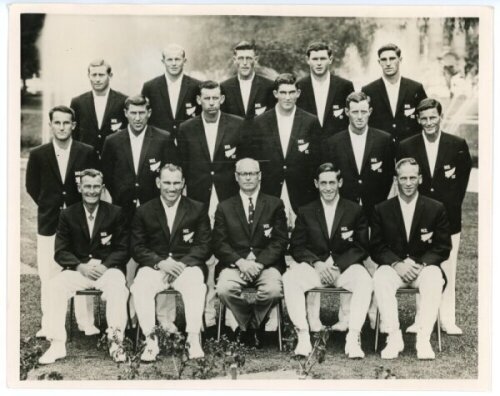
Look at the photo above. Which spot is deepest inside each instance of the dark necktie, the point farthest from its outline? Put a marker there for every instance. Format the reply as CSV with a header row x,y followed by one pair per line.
x,y
251,211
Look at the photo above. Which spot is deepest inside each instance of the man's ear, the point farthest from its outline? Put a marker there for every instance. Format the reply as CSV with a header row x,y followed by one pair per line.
x,y
198,99
158,182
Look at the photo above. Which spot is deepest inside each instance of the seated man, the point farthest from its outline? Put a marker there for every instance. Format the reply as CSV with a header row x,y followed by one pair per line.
x,y
329,243
410,238
171,243
249,240
92,247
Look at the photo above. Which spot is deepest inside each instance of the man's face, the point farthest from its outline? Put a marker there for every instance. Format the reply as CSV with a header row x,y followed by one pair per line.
x,y
328,185
210,100
359,113
171,184
61,126
137,117
91,188
287,95
99,78
430,121
245,61
248,176
174,61
319,62
408,180
389,62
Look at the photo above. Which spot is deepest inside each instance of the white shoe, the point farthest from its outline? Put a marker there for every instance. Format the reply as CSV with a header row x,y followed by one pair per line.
x,y
89,330
57,350
195,350
412,329
340,326
452,329
169,327
41,334
151,350
393,346
424,348
117,353
353,346
304,346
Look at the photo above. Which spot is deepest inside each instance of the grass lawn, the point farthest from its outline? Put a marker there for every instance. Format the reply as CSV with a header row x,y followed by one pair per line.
x,y
457,360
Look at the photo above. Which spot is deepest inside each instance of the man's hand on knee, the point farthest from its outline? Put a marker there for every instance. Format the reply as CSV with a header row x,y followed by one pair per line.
x,y
327,273
172,268
408,270
249,269
91,270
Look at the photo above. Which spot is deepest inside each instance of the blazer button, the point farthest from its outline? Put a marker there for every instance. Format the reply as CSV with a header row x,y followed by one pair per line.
x,y
175,126
212,173
170,255
99,136
394,125
134,201
64,192
360,181
432,189
284,166
137,184
90,256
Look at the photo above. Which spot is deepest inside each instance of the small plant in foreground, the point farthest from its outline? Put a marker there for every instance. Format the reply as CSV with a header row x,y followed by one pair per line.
x,y
31,350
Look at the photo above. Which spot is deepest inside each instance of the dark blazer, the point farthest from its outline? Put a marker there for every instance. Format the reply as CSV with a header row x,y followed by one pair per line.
x,y
373,184
156,90
113,120
188,241
121,181
44,184
233,238
404,124
335,119
429,242
108,242
348,243
297,167
261,97
451,173
200,171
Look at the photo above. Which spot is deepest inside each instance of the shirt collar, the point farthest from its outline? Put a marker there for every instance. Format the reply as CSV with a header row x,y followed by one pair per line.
x,y
87,213
411,203
254,196
178,81
133,135
173,207
59,149
249,80
356,135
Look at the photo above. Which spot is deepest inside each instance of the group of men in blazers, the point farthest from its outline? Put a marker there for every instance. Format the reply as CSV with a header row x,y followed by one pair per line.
x,y
256,159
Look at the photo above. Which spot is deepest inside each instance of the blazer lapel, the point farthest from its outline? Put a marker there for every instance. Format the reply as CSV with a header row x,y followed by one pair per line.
x,y
332,91
181,212
100,216
398,217
401,95
273,126
308,92
53,162
220,133
368,148
145,148
296,128
320,215
419,208
127,150
109,105
91,108
237,95
203,139
385,96
83,223
73,155
182,95
339,212
162,218
166,98
259,207
240,213
253,92
441,152
422,153
349,150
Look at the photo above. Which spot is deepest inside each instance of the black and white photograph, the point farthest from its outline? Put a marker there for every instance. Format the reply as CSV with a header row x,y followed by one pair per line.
x,y
250,193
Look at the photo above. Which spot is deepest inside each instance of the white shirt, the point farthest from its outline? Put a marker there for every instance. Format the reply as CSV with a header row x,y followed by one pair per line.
x,y
358,146
392,93
100,106
170,212
285,124
211,129
431,148
136,146
245,88
320,89
246,201
330,213
62,157
91,221
174,89
408,210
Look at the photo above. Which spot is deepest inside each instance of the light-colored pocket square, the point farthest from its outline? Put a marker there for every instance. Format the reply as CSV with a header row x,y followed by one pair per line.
x,y
229,153
409,112
106,240
303,147
155,166
346,234
427,237
116,126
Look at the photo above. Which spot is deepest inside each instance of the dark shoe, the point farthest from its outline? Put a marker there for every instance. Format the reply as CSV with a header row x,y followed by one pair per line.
x,y
210,333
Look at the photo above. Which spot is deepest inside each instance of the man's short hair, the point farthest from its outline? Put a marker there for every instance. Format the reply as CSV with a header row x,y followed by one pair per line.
x,y
429,103
285,78
137,100
244,45
62,109
319,46
356,97
247,159
390,47
405,161
328,167
208,84
91,173
173,47
100,62
171,168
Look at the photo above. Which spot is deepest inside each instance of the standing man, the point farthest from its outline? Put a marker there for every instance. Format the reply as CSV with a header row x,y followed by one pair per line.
x,y
209,146
322,93
446,167
394,98
92,248
52,178
286,143
250,238
247,95
410,238
173,94
171,242
98,112
329,243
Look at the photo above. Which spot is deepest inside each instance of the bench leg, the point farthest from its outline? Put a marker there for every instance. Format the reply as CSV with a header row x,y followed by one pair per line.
x,y
219,320
280,318
71,312
439,331
377,325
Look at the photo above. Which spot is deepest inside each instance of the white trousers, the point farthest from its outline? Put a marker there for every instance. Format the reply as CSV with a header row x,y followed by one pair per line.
x,y
149,282
449,267
429,282
303,277
47,269
64,286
